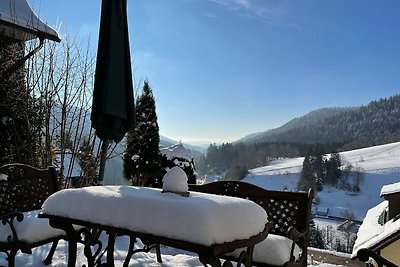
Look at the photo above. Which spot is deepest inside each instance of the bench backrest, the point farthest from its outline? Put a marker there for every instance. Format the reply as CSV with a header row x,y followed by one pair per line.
x,y
284,208
24,188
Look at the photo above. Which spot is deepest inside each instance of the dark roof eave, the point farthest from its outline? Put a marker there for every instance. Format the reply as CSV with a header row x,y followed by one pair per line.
x,y
27,31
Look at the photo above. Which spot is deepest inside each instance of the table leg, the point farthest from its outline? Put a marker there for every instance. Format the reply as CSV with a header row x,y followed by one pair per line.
x,y
110,249
249,261
206,260
71,237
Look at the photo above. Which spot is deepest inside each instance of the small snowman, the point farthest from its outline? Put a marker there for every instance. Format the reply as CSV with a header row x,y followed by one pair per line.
x,y
175,181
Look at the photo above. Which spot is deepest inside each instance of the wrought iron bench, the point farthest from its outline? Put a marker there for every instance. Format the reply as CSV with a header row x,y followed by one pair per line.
x,y
289,211
23,189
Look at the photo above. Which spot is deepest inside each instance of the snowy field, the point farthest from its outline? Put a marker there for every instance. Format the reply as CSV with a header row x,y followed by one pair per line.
x,y
381,166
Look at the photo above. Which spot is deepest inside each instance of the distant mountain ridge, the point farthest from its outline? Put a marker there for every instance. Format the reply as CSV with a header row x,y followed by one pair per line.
x,y
350,127
308,120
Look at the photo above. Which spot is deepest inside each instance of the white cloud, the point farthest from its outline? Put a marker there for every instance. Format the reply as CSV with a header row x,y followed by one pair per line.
x,y
210,15
250,7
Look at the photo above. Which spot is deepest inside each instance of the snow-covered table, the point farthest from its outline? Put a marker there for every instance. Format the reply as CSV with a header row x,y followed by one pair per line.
x,y
209,225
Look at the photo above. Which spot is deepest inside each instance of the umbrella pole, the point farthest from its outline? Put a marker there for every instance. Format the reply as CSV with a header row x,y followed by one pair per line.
x,y
103,158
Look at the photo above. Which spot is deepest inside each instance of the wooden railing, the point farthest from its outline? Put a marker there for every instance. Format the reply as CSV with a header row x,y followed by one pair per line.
x,y
366,254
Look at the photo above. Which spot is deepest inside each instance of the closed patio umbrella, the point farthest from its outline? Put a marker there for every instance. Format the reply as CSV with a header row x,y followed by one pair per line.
x,y
113,110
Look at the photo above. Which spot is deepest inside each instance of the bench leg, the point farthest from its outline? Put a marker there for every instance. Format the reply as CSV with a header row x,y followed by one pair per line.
x,y
158,253
11,258
49,257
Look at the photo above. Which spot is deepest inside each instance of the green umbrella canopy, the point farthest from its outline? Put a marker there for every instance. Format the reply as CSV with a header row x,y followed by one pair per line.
x,y
113,109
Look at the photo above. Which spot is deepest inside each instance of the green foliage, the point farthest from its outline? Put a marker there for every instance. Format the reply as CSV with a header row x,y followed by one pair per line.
x,y
142,160
316,236
187,166
87,161
319,170
21,115
351,179
313,172
333,172
222,158
307,179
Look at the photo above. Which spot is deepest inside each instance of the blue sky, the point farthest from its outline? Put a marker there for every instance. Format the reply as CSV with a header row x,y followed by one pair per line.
x,y
222,69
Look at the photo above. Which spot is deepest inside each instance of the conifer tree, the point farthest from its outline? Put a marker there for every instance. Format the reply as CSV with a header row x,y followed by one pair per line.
x,y
316,237
307,178
313,174
333,172
167,163
317,162
142,161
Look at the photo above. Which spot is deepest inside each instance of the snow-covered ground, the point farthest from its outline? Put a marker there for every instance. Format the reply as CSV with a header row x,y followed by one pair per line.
x,y
381,165
171,257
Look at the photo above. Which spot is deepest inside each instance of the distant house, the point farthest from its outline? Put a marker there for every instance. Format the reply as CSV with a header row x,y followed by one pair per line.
x,y
71,167
177,151
380,230
322,211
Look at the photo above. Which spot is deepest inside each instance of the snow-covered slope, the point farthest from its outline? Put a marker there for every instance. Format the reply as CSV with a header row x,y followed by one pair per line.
x,y
381,165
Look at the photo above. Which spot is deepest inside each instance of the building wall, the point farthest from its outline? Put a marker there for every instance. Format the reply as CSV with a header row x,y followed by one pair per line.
x,y
391,252
394,205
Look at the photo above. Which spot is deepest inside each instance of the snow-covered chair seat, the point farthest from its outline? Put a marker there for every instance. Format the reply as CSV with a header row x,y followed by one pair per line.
x,y
23,189
30,230
275,250
286,245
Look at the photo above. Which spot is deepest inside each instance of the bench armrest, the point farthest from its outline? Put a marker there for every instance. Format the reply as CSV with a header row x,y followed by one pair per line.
x,y
295,236
8,219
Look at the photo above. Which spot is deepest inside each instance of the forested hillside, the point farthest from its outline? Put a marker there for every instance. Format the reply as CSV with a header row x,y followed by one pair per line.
x,y
337,129
308,120
373,124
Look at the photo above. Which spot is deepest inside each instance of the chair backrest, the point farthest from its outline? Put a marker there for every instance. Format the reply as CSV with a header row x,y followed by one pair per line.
x,y
284,208
25,188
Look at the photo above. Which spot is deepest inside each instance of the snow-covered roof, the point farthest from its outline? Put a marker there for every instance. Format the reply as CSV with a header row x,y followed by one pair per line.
x,y
18,21
372,233
71,165
390,189
177,151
